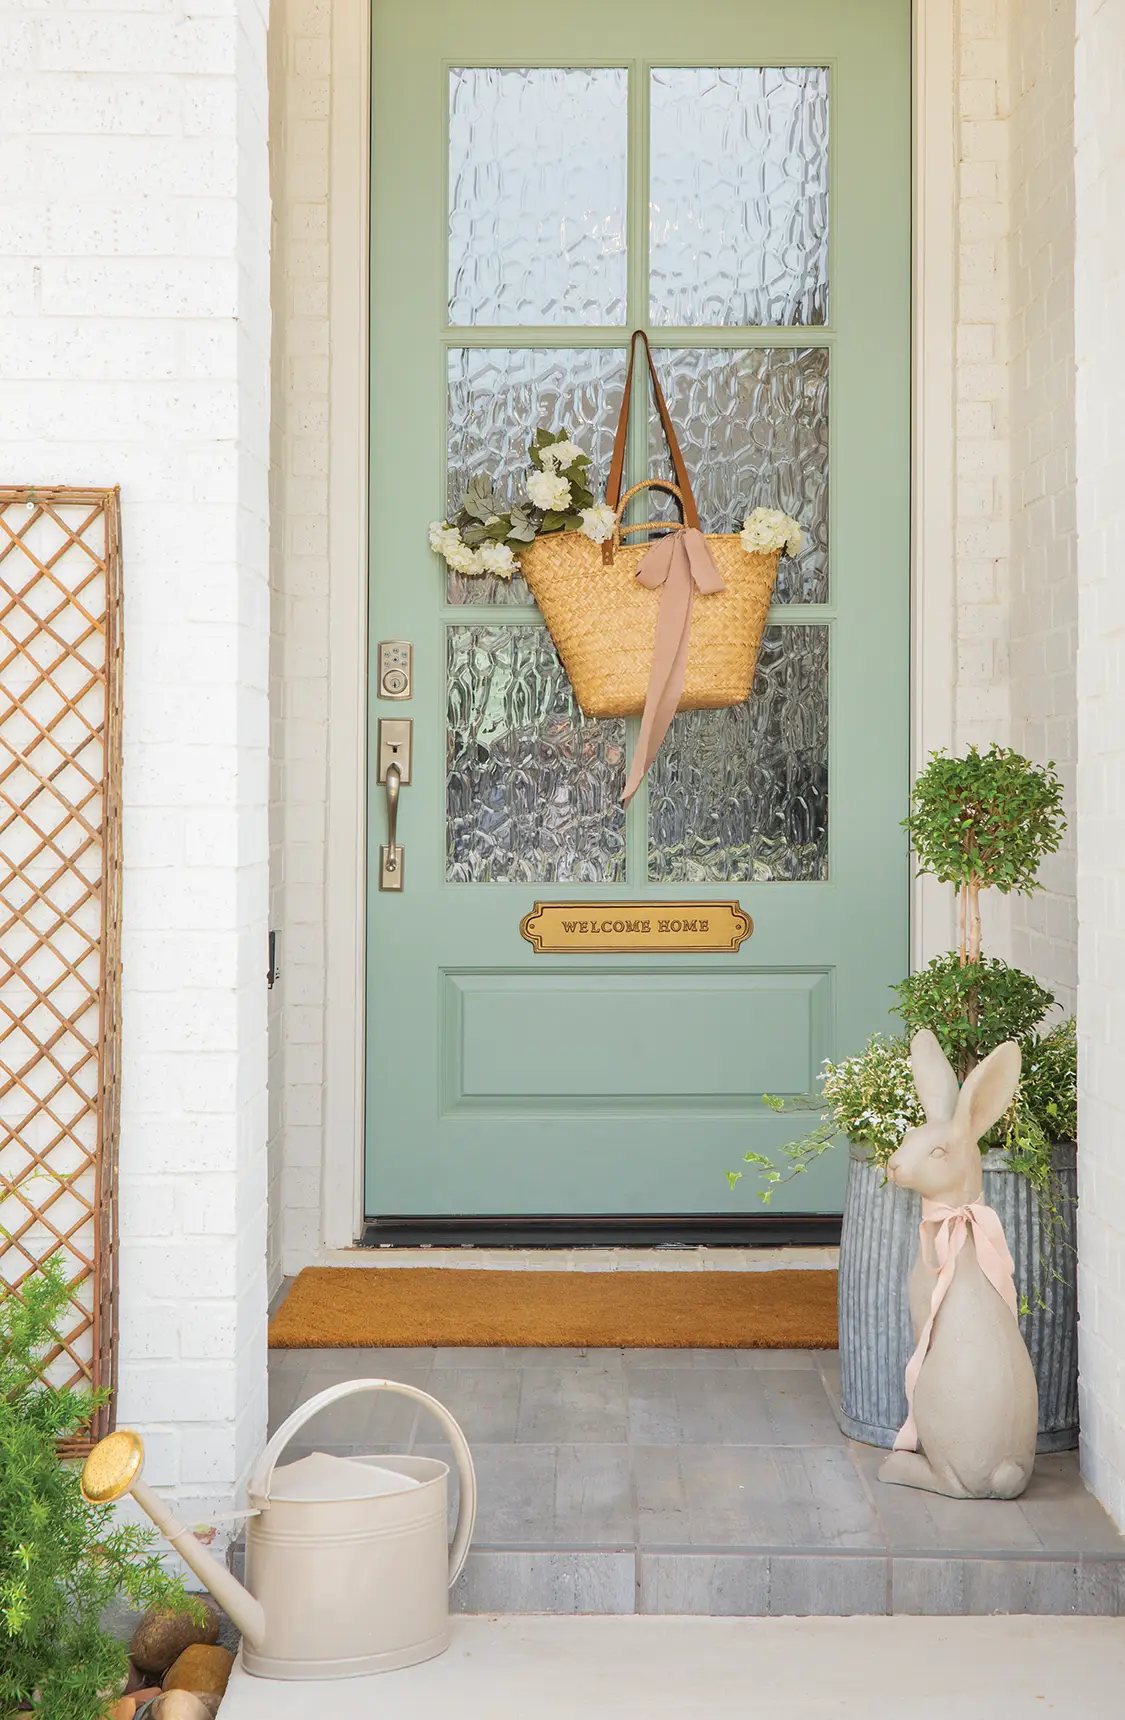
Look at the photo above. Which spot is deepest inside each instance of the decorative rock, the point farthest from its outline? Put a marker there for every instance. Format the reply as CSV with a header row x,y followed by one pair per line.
x,y
123,1709
148,1694
179,1705
161,1637
202,1669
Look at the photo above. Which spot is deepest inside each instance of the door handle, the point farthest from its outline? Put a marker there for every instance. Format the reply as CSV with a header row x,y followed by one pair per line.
x,y
390,855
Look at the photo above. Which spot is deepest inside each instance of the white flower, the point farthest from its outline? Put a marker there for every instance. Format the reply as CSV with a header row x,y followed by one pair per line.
x,y
598,522
443,538
767,530
497,558
549,492
557,456
461,559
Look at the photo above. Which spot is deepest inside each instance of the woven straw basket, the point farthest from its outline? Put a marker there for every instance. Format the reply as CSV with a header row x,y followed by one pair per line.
x,y
603,622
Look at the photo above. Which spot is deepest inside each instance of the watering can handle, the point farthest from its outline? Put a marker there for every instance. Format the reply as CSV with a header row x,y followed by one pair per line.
x,y
259,1488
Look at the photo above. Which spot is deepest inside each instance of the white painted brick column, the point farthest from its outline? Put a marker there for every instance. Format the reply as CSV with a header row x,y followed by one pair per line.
x,y
1099,105
1044,590
300,44
134,281
982,504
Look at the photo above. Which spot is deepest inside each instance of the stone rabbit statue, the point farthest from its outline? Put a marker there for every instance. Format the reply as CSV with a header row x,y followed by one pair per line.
x,y
974,1404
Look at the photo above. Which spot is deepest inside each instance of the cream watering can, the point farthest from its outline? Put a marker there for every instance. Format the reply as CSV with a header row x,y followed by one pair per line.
x,y
347,1566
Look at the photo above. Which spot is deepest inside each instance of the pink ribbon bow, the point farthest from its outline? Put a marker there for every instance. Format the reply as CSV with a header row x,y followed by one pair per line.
x,y
679,562
942,1235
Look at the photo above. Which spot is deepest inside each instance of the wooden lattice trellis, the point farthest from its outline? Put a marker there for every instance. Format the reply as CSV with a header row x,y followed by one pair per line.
x,y
60,892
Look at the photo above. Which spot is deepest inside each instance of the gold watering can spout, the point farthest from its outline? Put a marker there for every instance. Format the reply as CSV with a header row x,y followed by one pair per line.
x,y
113,1469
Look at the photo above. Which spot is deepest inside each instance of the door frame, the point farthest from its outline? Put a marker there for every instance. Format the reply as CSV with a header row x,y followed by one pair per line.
x,y
932,608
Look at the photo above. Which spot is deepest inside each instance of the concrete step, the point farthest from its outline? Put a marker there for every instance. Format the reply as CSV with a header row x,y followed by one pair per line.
x,y
706,1482
754,1583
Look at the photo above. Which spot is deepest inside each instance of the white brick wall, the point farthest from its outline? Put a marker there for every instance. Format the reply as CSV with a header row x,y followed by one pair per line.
x,y
1043,582
1099,102
982,393
982,323
134,282
299,140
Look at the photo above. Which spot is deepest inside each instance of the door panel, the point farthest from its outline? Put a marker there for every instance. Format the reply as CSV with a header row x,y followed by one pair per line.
x,y
736,179
634,1037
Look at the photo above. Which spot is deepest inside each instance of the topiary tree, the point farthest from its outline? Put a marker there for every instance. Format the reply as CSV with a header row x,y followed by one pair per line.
x,y
62,1560
984,821
972,1006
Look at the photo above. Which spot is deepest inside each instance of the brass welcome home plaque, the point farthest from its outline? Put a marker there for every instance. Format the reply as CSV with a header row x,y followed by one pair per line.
x,y
619,928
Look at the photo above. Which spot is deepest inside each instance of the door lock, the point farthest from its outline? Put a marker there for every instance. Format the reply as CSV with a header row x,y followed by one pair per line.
x,y
396,669
395,751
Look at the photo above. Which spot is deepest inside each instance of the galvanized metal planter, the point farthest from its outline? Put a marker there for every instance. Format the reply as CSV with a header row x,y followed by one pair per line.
x,y
877,1245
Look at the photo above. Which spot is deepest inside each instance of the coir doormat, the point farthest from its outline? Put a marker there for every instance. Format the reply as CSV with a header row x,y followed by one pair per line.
x,y
403,1306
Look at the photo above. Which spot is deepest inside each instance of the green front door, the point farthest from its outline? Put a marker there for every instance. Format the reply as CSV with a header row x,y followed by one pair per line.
x,y
733,177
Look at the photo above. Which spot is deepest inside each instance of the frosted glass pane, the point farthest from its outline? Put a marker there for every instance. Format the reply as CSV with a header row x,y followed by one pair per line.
x,y
537,191
497,401
754,430
738,217
533,788
741,795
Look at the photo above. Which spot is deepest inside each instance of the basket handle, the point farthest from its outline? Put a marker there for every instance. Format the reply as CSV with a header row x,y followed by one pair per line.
x,y
262,1476
620,531
617,464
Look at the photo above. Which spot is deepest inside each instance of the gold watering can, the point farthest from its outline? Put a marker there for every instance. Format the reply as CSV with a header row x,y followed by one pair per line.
x,y
347,1565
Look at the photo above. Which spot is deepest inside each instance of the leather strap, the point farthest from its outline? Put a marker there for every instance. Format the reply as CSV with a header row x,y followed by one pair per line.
x,y
617,464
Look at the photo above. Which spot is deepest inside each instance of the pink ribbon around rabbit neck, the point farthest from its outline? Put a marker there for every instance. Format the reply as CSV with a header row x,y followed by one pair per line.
x,y
941,1237
679,562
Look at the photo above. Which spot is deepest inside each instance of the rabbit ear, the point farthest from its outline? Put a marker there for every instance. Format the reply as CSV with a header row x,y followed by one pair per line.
x,y
990,1088
934,1080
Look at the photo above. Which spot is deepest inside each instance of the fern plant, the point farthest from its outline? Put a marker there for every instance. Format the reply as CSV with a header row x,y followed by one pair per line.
x,y
62,1560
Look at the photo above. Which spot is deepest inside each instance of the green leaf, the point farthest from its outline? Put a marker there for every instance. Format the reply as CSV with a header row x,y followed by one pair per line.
x,y
479,501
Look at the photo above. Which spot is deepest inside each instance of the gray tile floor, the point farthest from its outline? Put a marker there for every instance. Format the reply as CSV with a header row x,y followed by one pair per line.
x,y
707,1481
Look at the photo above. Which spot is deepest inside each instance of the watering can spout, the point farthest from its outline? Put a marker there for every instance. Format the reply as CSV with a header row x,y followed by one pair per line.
x,y
113,1469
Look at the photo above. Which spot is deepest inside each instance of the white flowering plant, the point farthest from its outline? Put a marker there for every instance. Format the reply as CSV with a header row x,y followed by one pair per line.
x,y
871,1099
484,537
767,530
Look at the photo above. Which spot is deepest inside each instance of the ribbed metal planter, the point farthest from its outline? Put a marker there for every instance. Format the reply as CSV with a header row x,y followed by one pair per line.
x,y
877,1247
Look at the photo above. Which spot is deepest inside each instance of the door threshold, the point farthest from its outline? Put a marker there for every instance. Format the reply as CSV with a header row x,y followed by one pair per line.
x,y
803,1230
